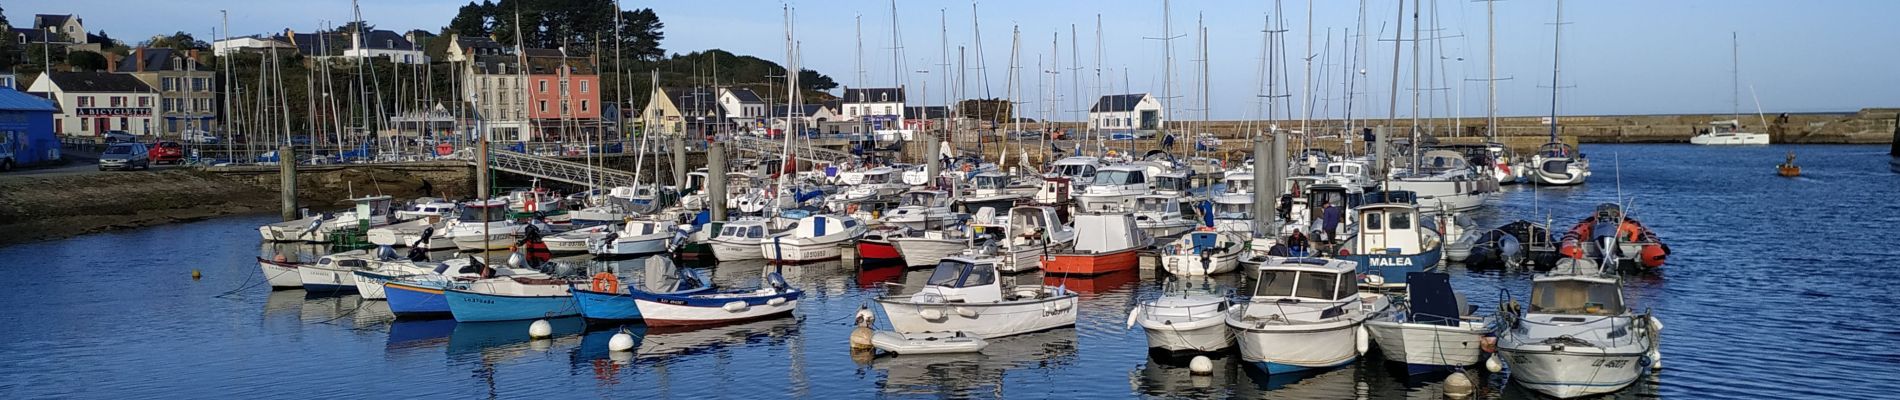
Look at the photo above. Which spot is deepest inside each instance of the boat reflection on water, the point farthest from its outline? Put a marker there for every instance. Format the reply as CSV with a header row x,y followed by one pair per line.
x,y
410,334
283,304
328,308
875,273
505,339
1104,283
1169,376
976,374
1309,384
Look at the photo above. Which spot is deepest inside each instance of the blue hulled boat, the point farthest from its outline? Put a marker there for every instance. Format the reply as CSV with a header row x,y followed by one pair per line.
x,y
1390,238
604,299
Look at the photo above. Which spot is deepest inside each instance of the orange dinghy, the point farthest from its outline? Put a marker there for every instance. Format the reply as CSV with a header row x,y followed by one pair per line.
x,y
1105,242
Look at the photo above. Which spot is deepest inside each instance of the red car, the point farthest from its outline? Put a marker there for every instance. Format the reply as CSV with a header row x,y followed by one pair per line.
x,y
167,152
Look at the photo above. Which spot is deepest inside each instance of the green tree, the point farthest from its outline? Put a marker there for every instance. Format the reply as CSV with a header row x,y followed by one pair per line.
x,y
180,41
86,61
641,31
473,19
9,46
812,80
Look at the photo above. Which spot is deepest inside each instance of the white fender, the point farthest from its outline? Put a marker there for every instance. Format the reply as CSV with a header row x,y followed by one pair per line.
x,y
540,329
930,314
1492,364
1133,315
967,312
736,306
775,301
1365,339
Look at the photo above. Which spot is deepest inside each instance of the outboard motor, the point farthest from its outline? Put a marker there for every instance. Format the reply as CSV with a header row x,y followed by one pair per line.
x,y
385,253
777,282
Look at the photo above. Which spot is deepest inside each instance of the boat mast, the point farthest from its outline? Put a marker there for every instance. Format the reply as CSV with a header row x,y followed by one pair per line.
x,y
1491,57
1306,83
1392,106
1415,88
1015,83
1735,75
1556,65
1167,68
1075,83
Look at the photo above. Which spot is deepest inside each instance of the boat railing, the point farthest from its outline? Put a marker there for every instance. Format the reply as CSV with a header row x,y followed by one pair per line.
x,y
1147,309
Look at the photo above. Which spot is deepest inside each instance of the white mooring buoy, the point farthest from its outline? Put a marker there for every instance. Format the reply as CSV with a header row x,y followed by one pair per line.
x,y
1492,364
1458,385
622,341
540,329
1201,365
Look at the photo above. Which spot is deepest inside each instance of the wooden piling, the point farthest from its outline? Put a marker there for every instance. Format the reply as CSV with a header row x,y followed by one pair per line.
x,y
287,177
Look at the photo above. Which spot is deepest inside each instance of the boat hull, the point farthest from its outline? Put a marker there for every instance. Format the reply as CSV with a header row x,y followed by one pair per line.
x,y
325,280
1393,267
922,251
735,251
601,306
370,285
1736,139
799,251
987,321
630,247
1425,347
477,242
1091,264
1166,229
469,306
1573,374
663,310
415,300
281,275
1190,264
1286,349
1192,335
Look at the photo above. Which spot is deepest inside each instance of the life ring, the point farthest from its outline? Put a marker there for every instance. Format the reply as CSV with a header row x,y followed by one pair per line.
x,y
606,282
851,208
1204,229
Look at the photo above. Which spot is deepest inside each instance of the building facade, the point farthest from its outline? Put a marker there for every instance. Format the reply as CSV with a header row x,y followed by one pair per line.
x,y
495,85
683,111
563,95
187,91
743,107
397,47
93,103
1126,112
882,108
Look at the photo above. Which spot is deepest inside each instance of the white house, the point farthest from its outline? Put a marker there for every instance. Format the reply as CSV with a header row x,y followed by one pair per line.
x,y
92,103
1128,112
248,43
808,116
743,107
387,44
883,108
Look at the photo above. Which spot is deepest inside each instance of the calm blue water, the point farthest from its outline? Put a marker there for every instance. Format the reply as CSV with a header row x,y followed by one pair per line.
x,y
1777,289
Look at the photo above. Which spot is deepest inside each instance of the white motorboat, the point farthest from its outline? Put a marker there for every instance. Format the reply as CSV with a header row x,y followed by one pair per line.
x,y
1458,233
485,225
1445,177
635,238
426,207
369,282
1349,173
1430,328
413,232
1728,132
1305,314
537,199
335,273
871,183
1029,235
814,238
282,274
928,247
1558,164
1114,188
1078,170
994,190
969,294
1160,216
1391,239
1204,252
576,240
372,211
774,298
1190,321
606,209
922,209
739,240
1579,338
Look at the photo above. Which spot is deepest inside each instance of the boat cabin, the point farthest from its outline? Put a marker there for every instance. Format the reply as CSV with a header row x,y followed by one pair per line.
x,y
990,181
1173,182
1436,161
1106,232
959,279
819,226
1322,193
926,198
1556,150
1233,206
642,227
1077,168
744,229
1158,205
695,181
874,176
1120,177
484,211
373,208
1576,295
1239,183
1349,170
1389,223
1292,280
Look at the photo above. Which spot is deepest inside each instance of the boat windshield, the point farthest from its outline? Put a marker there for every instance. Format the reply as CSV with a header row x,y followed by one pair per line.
x,y
950,273
1117,177
1075,171
483,214
921,199
991,182
1154,204
1239,185
1576,297
1231,211
1275,283
1177,183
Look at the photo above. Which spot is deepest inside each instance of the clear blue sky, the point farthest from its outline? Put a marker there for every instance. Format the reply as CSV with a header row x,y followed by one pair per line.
x,y
1621,56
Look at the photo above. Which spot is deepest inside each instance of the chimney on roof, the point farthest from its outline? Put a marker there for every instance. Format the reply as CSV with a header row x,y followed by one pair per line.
x,y
112,63
139,54
193,56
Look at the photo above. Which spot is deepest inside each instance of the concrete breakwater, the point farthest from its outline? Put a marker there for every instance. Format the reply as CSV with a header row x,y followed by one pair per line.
x,y
1868,125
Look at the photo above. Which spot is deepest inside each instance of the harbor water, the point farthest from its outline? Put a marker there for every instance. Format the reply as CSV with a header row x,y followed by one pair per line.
x,y
1776,289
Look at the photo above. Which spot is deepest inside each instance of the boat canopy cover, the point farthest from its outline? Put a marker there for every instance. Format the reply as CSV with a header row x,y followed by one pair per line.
x,y
1433,301
1390,196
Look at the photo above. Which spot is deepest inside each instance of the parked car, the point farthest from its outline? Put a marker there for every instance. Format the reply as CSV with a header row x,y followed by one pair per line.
x,y
167,152
125,156
199,136
120,137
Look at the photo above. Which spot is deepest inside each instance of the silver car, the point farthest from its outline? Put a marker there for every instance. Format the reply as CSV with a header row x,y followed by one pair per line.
x,y
125,156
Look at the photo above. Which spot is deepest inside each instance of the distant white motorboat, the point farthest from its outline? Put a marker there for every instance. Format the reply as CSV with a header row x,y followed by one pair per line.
x,y
1160,216
1233,208
1305,314
335,273
922,209
1204,252
485,225
1728,132
1578,338
372,210
969,294
993,190
814,238
576,240
635,238
1114,188
1187,321
412,233
739,240
1445,177
423,208
282,274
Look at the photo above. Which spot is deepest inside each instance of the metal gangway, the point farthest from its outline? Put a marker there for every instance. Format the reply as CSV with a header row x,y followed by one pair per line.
x,y
554,169
767,147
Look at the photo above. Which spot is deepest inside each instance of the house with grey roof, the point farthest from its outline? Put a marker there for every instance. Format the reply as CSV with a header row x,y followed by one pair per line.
x,y
187,91
882,108
743,107
1126,112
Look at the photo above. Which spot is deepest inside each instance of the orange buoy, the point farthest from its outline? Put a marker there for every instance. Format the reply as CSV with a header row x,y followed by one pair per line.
x,y
606,282
1654,255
